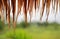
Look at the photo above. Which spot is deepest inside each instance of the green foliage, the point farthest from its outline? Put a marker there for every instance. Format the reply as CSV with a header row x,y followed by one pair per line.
x,y
35,31
23,25
47,24
19,34
42,24
1,25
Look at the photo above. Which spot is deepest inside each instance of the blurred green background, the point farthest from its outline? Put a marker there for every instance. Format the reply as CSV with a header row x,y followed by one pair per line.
x,y
33,30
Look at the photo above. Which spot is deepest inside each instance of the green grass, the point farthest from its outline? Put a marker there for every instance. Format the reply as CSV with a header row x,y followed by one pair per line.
x,y
33,31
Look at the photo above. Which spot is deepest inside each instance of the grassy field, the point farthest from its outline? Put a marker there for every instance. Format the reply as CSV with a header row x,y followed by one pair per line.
x,y
33,31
